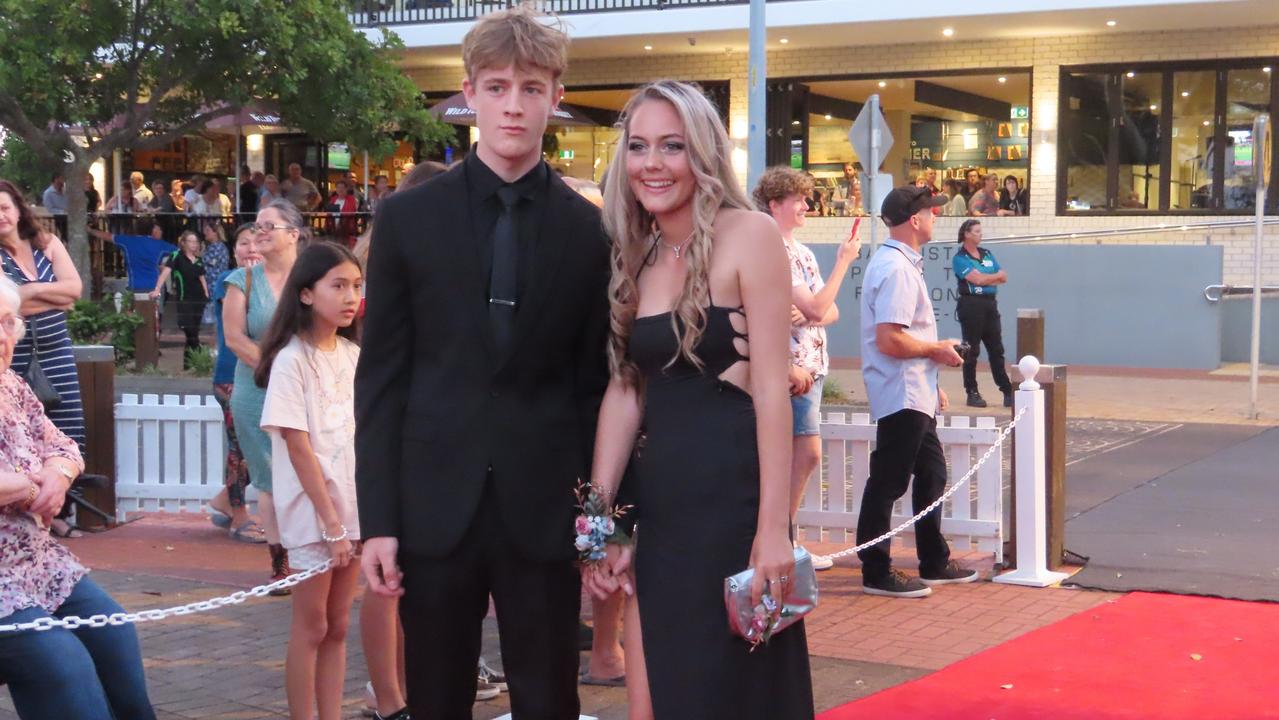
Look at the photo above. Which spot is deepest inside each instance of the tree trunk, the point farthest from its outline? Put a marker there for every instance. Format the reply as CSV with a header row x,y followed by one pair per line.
x,y
77,239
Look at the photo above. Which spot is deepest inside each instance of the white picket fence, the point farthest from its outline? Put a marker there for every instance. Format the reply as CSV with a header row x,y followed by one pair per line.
x,y
972,518
170,453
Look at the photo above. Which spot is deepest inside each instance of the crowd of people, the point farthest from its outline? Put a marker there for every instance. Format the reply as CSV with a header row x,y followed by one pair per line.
x,y
206,196
661,338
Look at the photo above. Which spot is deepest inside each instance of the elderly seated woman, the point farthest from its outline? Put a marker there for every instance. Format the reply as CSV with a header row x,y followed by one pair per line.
x,y
87,673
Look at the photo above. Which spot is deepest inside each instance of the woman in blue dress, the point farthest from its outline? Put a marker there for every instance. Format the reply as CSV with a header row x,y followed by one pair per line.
x,y
249,303
49,285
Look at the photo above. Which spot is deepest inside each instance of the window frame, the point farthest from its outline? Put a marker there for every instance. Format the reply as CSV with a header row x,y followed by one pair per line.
x,y
1114,72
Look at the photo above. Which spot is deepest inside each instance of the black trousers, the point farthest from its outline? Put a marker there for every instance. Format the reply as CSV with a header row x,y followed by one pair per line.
x,y
905,443
979,319
190,313
443,608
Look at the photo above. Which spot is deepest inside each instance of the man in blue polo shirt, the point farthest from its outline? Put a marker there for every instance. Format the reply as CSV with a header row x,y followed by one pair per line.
x,y
900,355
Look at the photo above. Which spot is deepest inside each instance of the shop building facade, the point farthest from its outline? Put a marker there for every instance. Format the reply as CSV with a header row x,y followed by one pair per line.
x,y
1143,123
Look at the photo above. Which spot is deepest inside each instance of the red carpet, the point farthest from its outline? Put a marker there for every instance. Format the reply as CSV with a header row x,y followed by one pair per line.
x,y
1169,657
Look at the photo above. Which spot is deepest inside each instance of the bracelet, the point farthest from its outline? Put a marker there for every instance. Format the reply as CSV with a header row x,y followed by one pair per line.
x,y
33,491
325,536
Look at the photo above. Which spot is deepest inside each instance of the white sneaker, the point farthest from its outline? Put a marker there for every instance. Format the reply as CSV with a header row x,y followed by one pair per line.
x,y
492,677
486,691
822,562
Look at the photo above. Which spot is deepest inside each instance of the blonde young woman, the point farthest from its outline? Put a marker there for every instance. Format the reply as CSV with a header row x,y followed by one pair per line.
x,y
700,299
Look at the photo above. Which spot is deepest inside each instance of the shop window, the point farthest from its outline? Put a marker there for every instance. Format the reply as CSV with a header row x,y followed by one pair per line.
x,y
1139,146
943,126
1193,138
1173,138
1085,139
1247,95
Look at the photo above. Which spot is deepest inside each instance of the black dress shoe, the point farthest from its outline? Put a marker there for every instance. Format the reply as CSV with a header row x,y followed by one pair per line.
x,y
975,400
1008,398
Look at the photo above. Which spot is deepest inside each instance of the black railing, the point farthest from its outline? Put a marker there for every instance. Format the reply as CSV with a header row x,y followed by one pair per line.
x,y
107,261
405,12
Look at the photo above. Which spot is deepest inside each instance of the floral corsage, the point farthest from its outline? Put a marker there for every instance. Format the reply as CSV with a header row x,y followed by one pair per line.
x,y
767,617
597,525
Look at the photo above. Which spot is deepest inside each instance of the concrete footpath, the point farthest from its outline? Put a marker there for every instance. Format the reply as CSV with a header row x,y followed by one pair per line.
x,y
1103,393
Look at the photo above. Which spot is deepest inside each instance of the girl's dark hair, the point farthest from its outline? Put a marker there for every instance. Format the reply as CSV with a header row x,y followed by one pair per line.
x,y
1013,178
27,228
205,186
965,227
292,316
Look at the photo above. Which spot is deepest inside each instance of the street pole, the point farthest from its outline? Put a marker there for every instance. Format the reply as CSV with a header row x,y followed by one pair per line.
x,y
872,170
1261,152
756,143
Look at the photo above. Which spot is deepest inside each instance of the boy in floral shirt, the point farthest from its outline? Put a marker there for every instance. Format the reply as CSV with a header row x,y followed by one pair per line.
x,y
781,193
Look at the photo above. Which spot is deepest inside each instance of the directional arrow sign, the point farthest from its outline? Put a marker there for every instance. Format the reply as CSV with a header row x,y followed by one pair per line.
x,y
870,136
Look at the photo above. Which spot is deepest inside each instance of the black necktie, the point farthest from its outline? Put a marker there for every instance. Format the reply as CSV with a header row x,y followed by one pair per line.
x,y
502,278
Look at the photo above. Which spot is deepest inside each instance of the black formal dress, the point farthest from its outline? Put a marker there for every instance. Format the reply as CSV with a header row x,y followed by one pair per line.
x,y
470,455
695,484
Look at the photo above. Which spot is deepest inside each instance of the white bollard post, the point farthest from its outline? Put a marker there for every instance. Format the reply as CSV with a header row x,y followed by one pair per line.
x,y
1032,505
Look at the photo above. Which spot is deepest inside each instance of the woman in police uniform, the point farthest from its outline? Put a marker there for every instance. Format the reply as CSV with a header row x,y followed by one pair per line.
x,y
979,278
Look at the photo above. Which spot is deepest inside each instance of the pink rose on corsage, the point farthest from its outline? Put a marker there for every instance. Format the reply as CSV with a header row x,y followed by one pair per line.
x,y
768,614
596,527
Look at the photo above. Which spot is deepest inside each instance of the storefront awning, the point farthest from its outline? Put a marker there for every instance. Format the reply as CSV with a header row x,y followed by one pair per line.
x,y
455,110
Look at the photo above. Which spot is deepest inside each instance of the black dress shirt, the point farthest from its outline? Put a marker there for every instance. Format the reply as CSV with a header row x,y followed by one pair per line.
x,y
485,207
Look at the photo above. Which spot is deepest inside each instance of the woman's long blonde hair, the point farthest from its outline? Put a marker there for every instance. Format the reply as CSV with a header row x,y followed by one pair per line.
x,y
633,229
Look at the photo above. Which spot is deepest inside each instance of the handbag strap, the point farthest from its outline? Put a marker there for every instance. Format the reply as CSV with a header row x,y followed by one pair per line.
x,y
35,338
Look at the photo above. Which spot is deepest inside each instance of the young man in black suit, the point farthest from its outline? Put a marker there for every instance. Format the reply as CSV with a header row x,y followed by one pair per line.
x,y
482,369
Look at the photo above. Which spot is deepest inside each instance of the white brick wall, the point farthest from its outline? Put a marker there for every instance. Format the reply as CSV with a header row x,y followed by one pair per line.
x,y
1044,55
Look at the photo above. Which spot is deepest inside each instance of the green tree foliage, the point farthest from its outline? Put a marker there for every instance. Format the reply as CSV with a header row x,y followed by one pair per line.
x,y
19,165
82,78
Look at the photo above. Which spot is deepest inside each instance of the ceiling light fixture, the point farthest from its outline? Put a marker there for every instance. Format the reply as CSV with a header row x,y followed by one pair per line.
x,y
1205,123
1111,23
794,122
648,47
1185,93
883,84
784,41
1132,74
1003,79
1154,108
828,116
1265,69
948,32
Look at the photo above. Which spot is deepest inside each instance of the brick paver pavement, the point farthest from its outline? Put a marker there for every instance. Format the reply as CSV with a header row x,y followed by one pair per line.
x,y
229,664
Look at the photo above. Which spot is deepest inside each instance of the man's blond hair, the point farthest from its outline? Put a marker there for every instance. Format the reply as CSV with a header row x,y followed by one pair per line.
x,y
515,36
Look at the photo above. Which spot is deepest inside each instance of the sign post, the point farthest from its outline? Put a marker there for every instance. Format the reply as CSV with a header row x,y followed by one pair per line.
x,y
871,139
757,97
1262,152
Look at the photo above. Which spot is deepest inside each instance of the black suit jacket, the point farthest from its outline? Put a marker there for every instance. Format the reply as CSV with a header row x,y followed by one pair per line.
x,y
436,406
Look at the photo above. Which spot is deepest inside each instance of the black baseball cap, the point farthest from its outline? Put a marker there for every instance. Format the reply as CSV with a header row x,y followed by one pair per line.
x,y
906,200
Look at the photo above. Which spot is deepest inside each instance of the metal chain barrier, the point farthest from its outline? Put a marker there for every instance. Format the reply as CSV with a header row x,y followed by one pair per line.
x,y
936,503
237,598
96,621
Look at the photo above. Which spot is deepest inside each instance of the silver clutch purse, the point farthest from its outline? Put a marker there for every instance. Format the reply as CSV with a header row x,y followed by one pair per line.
x,y
756,624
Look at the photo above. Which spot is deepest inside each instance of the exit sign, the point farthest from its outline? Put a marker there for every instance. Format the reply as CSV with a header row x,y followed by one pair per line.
x,y
1020,112
566,154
